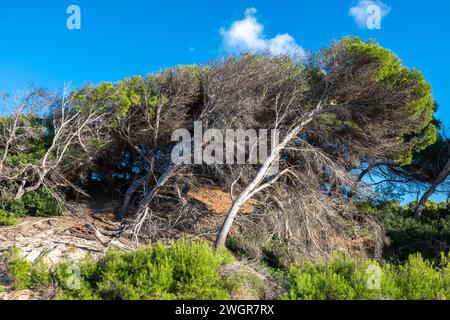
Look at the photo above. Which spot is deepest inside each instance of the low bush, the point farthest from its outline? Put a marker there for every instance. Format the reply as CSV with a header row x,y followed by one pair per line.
x,y
345,278
429,235
19,268
184,270
194,271
7,219
40,273
24,274
275,255
36,204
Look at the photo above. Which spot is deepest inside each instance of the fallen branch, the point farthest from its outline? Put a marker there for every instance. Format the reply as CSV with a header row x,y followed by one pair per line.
x,y
106,242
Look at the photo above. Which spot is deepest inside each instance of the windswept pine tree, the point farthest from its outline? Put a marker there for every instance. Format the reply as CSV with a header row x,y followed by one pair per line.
x,y
381,112
352,106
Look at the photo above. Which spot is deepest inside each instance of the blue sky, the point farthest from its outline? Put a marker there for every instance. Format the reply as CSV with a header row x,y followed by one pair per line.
x,y
123,38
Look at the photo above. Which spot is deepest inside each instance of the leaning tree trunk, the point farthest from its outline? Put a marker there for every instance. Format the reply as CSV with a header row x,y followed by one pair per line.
x,y
169,172
129,195
253,187
440,178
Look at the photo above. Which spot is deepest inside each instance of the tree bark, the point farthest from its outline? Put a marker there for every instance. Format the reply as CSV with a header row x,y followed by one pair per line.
x,y
128,196
440,178
161,181
252,188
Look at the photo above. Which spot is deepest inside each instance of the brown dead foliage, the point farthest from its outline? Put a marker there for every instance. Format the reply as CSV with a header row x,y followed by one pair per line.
x,y
219,201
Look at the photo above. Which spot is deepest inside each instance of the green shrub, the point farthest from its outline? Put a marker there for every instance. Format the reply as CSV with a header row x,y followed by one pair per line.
x,y
245,285
7,219
253,285
185,270
74,280
40,273
19,268
246,246
36,204
429,236
275,254
345,278
341,278
24,274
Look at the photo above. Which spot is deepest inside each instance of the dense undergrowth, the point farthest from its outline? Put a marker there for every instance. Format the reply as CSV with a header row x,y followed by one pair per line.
x,y
6,218
39,203
428,236
345,278
184,270
416,266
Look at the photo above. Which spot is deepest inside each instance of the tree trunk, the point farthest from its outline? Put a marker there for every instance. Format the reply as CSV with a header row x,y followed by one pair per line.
x,y
252,188
128,196
440,178
161,181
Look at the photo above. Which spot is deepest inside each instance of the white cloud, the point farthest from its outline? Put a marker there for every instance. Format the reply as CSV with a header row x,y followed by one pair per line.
x,y
362,13
248,35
